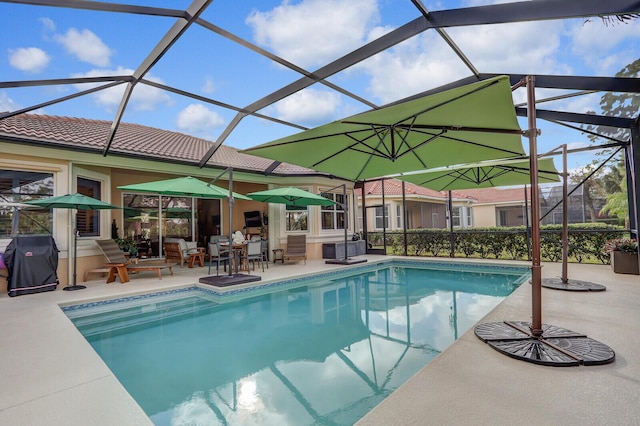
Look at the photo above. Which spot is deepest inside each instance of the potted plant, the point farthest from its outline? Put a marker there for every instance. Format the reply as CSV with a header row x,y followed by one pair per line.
x,y
128,245
624,255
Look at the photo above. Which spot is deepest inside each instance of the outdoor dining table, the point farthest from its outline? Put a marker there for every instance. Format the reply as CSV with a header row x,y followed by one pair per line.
x,y
238,254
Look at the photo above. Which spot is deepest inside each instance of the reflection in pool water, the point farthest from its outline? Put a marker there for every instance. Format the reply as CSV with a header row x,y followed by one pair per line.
x,y
322,353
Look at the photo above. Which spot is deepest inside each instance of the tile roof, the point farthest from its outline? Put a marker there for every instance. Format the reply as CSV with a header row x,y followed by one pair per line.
x,y
393,187
496,195
133,139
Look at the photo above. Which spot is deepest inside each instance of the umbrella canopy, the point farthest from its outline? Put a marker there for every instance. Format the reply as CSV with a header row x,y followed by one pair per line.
x,y
187,186
462,125
290,196
487,174
71,201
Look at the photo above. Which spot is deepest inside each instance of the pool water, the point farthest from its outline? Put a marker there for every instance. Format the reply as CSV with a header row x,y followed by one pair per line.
x,y
325,351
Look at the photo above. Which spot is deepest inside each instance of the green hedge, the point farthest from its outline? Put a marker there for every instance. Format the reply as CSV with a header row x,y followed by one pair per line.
x,y
586,242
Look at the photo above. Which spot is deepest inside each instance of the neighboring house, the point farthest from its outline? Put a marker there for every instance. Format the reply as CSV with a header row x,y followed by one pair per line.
x,y
45,156
426,208
499,206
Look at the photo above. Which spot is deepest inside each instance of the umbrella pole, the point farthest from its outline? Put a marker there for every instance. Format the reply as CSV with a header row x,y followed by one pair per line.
x,y
74,286
536,268
346,218
565,217
231,202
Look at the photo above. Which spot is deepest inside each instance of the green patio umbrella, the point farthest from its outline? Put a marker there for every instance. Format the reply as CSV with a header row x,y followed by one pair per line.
x,y
486,174
462,125
187,186
77,202
290,196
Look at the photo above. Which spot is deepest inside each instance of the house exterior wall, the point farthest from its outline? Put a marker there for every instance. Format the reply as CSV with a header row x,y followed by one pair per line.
x,y
113,171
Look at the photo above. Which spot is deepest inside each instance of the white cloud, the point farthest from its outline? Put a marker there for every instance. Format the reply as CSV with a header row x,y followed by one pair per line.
x,y
209,86
308,106
314,32
29,59
48,24
197,119
6,103
86,46
411,67
143,98
588,40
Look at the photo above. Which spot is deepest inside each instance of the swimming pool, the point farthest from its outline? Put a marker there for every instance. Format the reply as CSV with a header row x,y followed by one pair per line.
x,y
324,350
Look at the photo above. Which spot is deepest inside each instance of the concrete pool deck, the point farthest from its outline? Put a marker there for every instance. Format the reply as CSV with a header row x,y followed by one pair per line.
x,y
51,375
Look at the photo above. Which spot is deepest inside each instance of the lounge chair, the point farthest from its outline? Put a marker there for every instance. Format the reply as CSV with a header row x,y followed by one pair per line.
x,y
118,264
296,248
182,251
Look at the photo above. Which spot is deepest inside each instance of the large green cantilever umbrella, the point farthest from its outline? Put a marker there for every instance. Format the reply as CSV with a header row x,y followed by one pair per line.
x,y
486,174
290,196
462,125
77,202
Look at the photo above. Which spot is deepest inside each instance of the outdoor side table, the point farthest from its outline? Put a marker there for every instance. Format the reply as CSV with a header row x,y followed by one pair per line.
x,y
278,254
196,257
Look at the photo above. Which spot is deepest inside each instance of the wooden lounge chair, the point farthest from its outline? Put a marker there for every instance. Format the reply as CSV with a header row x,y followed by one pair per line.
x,y
181,251
296,248
119,265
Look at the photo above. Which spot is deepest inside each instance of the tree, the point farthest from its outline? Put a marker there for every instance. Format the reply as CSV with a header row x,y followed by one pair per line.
x,y
613,180
617,204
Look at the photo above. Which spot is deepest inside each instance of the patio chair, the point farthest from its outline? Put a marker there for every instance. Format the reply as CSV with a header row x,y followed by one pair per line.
x,y
218,255
265,252
296,248
118,264
180,250
253,253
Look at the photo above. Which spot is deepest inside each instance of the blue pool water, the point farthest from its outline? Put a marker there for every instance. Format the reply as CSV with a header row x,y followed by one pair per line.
x,y
319,351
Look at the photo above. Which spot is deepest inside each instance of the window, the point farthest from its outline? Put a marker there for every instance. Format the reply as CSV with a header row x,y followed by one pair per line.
x,y
461,217
382,217
468,217
17,186
398,216
88,221
296,218
332,217
455,216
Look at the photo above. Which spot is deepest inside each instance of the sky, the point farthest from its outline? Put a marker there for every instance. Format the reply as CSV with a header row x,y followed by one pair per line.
x,y
47,43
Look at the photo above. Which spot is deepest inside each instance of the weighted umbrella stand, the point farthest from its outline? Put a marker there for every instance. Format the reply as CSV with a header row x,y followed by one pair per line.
x,y
534,341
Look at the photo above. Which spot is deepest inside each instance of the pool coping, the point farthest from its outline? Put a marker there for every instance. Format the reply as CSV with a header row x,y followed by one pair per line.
x,y
227,294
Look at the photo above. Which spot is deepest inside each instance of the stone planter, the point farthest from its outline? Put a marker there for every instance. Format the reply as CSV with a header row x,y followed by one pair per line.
x,y
623,262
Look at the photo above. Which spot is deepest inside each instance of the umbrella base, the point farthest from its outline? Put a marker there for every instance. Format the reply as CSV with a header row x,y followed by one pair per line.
x,y
347,261
74,287
557,347
571,285
229,280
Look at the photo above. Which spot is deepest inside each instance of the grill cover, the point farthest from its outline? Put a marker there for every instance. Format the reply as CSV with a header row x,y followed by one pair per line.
x,y
32,262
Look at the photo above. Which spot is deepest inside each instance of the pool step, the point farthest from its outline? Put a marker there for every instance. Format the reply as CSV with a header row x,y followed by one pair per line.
x,y
136,316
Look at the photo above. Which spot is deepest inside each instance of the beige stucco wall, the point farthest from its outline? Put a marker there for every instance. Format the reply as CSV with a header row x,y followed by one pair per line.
x,y
484,216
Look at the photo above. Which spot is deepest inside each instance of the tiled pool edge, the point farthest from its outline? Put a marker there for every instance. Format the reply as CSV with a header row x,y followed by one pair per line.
x,y
278,283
